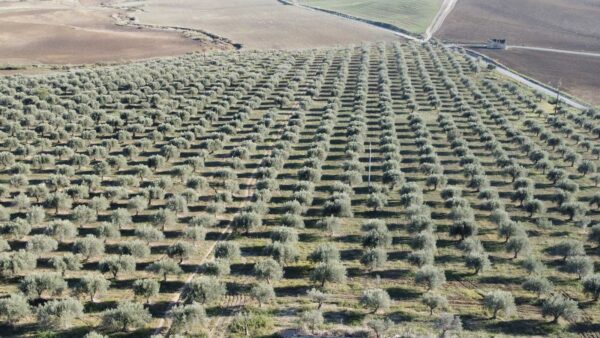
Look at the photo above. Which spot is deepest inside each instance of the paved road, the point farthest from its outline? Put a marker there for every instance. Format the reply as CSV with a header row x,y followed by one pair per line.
x,y
553,50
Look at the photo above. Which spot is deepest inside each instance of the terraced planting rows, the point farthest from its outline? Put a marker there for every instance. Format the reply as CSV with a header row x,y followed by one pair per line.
x,y
361,190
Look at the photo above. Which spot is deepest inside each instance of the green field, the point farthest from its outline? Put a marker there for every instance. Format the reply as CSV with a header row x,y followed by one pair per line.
x,y
411,15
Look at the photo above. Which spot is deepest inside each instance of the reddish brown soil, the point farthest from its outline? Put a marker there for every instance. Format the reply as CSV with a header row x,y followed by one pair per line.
x,y
560,24
578,75
81,35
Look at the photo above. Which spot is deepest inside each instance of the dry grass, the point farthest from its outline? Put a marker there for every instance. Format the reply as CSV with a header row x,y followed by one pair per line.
x,y
411,15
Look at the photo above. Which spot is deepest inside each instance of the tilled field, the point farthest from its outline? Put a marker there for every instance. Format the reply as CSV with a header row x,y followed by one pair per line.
x,y
561,24
210,193
572,73
558,24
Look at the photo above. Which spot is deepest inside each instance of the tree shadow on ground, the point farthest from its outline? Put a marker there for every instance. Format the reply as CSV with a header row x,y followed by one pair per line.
x,y
292,291
522,327
402,293
255,250
349,239
504,280
241,269
585,327
347,317
296,271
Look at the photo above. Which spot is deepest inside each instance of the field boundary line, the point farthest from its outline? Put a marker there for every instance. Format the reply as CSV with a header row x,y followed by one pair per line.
x,y
438,20
525,80
381,25
554,50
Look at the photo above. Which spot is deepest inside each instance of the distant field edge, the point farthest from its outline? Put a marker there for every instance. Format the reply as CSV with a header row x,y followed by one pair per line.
x,y
380,24
528,78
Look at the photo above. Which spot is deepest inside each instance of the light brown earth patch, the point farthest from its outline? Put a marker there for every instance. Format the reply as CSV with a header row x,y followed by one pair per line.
x,y
261,24
39,33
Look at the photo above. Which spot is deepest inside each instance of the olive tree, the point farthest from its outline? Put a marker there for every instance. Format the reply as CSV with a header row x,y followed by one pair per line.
x,y
14,308
331,271
165,267
92,285
148,233
326,252
533,265
246,221
311,320
567,248
181,250
185,318
579,265
374,258
262,292
164,218
517,244
116,264
559,306
591,285
430,276
227,250
539,285
499,300
16,263
317,296
204,290
448,322
375,299
127,315
36,284
59,313
146,288
268,269
434,301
